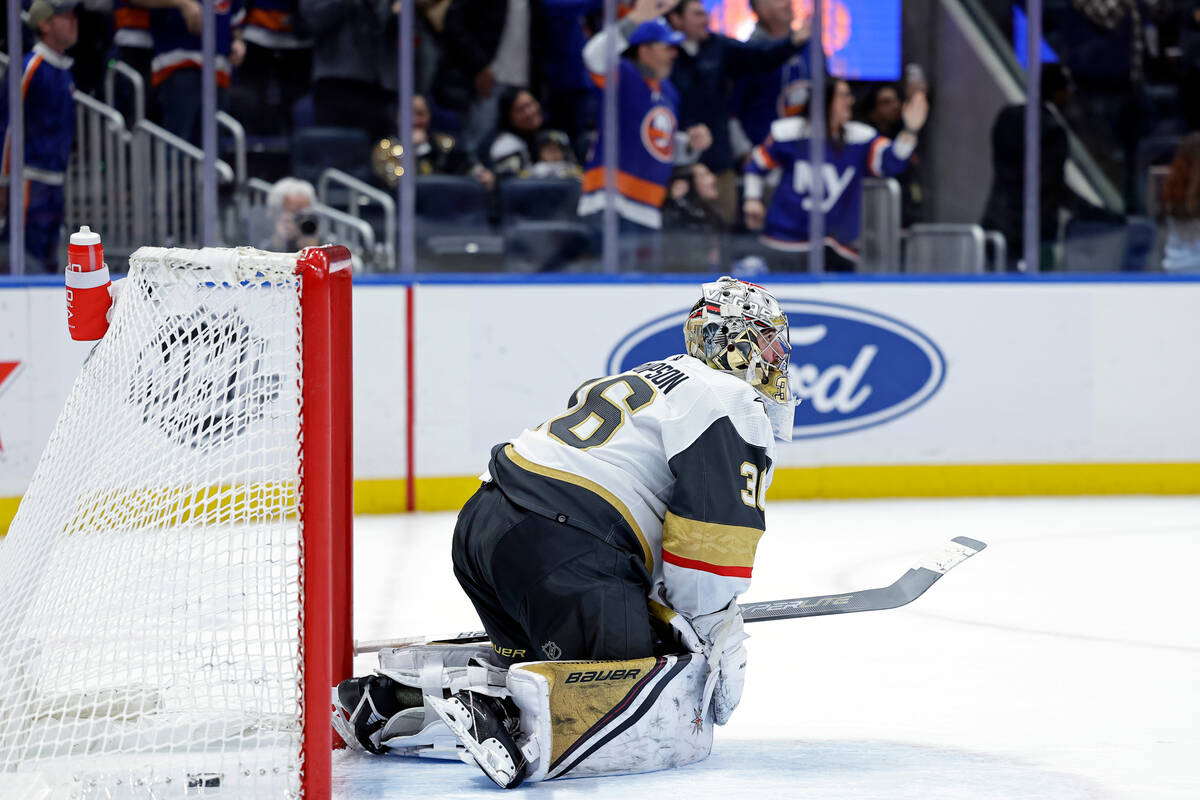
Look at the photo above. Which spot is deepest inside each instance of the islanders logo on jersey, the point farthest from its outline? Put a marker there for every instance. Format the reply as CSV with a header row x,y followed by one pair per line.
x,y
852,367
658,133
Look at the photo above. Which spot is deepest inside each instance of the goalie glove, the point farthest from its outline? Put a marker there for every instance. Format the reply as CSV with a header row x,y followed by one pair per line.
x,y
719,638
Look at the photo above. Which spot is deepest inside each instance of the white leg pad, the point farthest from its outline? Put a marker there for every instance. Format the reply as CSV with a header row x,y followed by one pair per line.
x,y
435,669
587,718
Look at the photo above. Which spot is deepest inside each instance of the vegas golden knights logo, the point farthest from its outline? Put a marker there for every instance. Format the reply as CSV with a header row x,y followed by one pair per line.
x,y
552,651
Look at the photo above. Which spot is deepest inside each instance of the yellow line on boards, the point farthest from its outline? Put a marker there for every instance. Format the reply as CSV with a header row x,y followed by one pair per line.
x,y
386,495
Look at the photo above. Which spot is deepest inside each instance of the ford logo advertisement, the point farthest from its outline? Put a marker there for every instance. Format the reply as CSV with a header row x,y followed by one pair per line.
x,y
853,368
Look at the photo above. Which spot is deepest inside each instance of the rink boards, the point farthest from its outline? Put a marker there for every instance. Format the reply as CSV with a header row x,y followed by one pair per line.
x,y
934,387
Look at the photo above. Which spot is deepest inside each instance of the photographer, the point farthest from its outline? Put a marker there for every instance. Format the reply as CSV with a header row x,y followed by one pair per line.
x,y
294,224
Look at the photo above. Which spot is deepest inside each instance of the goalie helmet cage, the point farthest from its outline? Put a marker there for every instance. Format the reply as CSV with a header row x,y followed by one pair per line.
x,y
175,587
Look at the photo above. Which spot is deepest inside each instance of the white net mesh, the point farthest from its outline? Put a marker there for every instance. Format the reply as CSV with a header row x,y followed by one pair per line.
x,y
150,641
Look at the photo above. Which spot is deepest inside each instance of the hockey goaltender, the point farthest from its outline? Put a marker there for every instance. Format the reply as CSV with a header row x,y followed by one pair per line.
x,y
604,552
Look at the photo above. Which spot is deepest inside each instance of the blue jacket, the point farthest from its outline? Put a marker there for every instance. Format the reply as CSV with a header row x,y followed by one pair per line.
x,y
702,81
49,111
861,152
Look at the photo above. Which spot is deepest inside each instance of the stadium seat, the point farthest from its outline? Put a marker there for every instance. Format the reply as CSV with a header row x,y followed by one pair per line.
x,y
545,246
318,148
942,248
1101,246
1152,151
451,201
527,199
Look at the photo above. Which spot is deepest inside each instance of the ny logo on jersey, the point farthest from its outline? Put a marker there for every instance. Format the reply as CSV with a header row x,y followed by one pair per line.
x,y
658,133
834,183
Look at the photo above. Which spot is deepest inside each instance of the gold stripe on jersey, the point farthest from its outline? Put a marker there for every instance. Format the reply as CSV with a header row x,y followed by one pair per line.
x,y
710,542
591,486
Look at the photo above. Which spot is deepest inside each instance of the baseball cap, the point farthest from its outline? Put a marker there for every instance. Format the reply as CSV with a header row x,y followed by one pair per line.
x,y
655,30
41,10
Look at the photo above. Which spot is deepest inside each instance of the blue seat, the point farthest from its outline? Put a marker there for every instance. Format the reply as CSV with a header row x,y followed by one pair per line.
x,y
451,201
531,199
1101,246
317,148
545,246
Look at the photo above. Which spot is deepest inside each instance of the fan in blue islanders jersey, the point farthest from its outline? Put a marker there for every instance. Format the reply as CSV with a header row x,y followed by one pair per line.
x,y
853,150
604,553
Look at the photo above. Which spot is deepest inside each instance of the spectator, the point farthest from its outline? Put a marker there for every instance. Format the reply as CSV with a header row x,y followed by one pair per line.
x,y
94,47
1181,206
648,139
277,67
691,212
555,157
852,149
176,26
49,130
437,153
135,47
487,46
760,98
1104,45
1005,207
568,85
354,75
294,225
706,64
1188,22
881,110
509,150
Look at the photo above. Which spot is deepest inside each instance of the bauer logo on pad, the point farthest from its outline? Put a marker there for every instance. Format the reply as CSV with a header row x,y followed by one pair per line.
x,y
853,368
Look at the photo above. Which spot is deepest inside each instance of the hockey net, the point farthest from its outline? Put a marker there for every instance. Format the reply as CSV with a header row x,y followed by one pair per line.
x,y
169,584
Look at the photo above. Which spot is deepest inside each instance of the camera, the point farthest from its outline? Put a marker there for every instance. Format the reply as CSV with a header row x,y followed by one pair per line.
x,y
306,223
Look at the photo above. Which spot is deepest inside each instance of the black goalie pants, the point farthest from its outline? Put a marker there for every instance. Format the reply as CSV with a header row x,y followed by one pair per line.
x,y
545,590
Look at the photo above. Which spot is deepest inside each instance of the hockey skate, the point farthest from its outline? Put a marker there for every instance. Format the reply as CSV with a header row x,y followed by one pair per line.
x,y
366,705
486,727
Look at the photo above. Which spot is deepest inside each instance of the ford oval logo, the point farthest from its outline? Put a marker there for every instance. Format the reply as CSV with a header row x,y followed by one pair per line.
x,y
853,368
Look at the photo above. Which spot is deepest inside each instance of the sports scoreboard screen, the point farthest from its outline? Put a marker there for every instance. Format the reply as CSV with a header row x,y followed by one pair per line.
x,y
862,37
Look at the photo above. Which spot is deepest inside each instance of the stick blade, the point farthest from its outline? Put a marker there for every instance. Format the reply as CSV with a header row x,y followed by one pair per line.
x,y
907,588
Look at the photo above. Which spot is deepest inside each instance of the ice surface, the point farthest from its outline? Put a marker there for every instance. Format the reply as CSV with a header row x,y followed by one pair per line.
x,y
1062,662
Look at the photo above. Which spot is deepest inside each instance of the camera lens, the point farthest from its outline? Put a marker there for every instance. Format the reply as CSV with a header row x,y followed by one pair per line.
x,y
306,224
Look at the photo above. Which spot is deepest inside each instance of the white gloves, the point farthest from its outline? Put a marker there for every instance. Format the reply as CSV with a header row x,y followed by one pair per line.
x,y
718,637
114,291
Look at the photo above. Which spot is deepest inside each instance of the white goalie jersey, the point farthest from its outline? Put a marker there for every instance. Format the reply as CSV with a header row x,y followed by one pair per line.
x,y
670,461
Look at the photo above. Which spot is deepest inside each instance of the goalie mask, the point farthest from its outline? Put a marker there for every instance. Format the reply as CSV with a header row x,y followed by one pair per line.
x,y
739,328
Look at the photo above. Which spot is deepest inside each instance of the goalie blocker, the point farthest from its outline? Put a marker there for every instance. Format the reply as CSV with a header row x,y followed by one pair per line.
x,y
534,721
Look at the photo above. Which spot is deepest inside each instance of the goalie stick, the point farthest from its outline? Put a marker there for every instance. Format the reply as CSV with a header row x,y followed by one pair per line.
x,y
904,590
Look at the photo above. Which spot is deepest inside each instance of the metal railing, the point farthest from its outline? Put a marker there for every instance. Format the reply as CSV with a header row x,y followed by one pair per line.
x,y
999,250
98,190
944,248
167,176
358,195
880,244
136,83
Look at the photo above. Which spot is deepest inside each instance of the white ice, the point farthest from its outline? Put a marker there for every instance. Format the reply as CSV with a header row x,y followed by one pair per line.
x,y
1062,662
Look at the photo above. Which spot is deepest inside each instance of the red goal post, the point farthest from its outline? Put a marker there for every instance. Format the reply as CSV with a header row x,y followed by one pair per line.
x,y
326,495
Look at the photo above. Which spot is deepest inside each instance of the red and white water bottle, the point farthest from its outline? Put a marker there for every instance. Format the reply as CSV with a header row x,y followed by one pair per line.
x,y
88,299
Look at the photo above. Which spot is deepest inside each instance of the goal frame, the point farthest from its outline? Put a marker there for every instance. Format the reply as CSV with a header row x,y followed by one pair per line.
x,y
326,501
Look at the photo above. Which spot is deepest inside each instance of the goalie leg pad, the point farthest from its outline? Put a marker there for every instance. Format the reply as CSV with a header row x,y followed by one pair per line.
x,y
587,718
373,721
